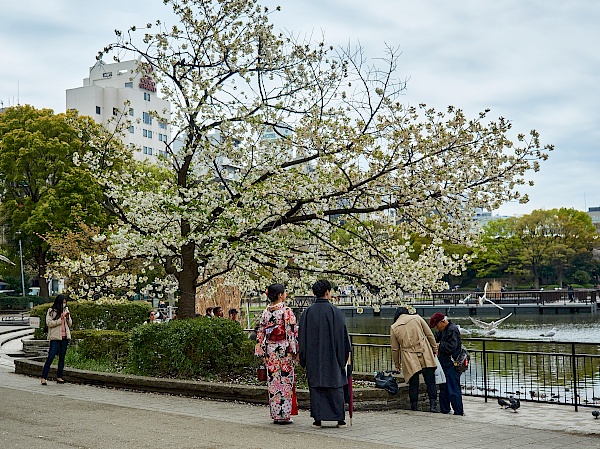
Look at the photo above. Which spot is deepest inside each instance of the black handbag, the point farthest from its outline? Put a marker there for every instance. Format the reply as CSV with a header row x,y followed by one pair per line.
x,y
461,361
386,381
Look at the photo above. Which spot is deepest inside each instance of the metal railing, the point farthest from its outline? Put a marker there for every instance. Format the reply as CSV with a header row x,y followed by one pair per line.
x,y
566,373
529,297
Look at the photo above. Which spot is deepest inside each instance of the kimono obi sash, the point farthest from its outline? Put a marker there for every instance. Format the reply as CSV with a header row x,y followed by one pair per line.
x,y
275,332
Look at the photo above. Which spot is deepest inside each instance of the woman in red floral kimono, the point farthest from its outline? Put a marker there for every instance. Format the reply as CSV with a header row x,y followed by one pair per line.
x,y
277,344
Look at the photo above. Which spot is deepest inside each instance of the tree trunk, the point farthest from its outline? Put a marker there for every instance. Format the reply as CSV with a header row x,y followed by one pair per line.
x,y
187,278
40,259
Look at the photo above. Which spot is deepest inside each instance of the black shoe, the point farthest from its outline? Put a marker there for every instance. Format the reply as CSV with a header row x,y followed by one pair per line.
x,y
341,424
317,424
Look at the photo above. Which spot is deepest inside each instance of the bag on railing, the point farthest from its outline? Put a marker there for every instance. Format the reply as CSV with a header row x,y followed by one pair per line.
x,y
440,377
461,362
386,381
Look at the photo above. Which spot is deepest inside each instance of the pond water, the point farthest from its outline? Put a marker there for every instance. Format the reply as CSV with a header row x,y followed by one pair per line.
x,y
583,328
540,369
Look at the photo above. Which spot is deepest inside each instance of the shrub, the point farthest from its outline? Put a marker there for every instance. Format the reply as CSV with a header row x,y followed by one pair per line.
x,y
19,302
102,345
121,315
189,348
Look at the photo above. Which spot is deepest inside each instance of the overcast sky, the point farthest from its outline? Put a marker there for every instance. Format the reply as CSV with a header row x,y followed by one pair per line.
x,y
536,63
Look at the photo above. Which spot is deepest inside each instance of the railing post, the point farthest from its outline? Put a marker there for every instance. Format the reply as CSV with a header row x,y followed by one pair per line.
x,y
574,368
485,382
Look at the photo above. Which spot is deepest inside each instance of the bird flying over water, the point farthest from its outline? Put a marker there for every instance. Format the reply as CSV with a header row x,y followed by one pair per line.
x,y
489,327
465,299
484,297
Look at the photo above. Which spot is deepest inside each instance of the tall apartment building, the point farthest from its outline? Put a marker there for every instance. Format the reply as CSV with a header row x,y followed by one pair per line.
x,y
111,89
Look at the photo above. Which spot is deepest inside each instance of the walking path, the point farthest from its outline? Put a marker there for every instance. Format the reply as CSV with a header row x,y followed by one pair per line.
x,y
61,416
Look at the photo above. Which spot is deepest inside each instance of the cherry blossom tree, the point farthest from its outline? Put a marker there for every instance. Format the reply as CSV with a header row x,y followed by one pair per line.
x,y
291,160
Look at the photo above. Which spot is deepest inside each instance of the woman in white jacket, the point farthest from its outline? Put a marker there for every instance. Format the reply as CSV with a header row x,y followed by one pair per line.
x,y
58,320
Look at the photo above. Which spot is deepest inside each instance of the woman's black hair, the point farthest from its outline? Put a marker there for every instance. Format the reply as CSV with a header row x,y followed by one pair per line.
x,y
58,305
273,291
400,311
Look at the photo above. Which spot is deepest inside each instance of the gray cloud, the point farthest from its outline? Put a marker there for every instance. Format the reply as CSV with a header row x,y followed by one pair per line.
x,y
533,62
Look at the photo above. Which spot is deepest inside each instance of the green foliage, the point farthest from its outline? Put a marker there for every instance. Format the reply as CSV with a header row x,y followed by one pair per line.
x,y
549,245
102,344
121,315
43,189
75,359
19,302
188,348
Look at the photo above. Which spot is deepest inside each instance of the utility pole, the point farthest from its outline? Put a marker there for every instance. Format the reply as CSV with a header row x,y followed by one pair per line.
x,y
21,257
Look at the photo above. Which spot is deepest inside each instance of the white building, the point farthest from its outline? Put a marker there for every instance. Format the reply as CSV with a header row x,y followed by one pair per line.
x,y
112,89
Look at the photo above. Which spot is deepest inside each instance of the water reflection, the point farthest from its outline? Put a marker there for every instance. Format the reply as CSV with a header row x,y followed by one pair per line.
x,y
539,370
584,328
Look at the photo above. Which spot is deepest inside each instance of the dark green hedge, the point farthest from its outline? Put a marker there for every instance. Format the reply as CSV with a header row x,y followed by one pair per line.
x,y
189,348
19,302
114,315
102,345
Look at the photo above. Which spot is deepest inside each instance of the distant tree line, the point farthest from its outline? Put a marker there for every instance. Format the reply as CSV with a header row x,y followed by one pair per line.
x,y
546,247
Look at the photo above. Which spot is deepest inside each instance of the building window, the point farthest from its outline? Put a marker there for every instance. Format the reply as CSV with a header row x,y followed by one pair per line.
x,y
97,109
131,130
150,151
150,134
146,118
146,96
131,111
162,125
115,111
130,85
145,133
145,151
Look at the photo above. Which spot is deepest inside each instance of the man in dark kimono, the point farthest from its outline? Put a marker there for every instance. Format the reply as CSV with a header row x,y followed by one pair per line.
x,y
324,348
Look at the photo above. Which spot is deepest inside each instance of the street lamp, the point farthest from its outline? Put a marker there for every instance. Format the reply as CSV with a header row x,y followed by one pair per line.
x,y
21,257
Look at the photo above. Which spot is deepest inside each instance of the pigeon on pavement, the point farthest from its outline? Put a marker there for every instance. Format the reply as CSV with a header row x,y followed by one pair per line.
x,y
503,403
514,404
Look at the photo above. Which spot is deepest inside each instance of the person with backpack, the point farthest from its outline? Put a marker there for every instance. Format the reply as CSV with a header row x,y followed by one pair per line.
x,y
449,347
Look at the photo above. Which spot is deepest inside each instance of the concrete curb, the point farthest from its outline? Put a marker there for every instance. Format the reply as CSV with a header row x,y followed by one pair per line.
x,y
364,398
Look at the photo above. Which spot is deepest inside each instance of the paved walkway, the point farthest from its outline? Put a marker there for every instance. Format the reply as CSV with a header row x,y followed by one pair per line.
x,y
67,416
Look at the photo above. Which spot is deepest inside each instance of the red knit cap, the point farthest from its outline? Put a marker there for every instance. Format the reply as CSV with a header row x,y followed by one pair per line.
x,y
436,318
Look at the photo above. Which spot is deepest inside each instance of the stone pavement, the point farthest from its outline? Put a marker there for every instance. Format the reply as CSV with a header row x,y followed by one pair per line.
x,y
67,416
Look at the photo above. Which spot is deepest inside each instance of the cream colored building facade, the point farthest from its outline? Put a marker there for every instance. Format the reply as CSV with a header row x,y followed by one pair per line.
x,y
121,91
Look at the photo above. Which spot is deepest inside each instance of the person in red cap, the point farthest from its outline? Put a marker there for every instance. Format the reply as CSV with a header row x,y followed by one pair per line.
x,y
449,345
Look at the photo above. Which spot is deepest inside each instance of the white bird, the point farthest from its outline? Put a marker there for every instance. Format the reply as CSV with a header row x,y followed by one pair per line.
x,y
465,299
6,259
484,297
550,333
463,331
489,327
